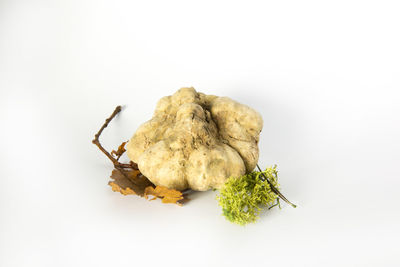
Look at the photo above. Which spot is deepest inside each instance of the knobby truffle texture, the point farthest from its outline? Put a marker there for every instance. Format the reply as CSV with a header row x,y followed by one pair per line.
x,y
196,141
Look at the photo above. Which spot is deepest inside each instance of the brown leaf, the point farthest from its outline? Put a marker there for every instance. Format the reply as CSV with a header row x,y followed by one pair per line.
x,y
132,182
129,182
116,188
121,149
167,195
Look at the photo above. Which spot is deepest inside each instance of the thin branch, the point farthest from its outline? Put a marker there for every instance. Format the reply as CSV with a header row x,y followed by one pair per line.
x,y
97,135
274,189
117,165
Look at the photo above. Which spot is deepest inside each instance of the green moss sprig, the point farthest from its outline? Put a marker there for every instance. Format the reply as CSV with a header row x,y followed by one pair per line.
x,y
243,198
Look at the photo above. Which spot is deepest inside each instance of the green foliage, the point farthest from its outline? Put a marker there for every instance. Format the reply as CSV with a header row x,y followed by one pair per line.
x,y
243,198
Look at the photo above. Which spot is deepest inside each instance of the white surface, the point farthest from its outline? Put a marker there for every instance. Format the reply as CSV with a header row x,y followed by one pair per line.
x,y
324,75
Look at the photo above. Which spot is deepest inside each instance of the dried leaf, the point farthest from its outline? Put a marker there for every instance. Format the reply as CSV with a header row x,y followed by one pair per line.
x,y
132,182
121,149
167,195
116,188
129,182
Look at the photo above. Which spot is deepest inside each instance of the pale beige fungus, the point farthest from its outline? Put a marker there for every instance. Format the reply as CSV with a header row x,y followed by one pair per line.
x,y
196,141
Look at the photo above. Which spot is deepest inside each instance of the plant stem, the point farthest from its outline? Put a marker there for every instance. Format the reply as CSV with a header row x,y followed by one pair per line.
x,y
97,136
117,165
274,189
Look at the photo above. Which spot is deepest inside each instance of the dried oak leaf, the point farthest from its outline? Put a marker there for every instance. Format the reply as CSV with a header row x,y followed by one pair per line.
x,y
130,182
167,195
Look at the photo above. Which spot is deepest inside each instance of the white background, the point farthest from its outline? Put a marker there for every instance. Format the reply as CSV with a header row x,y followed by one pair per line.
x,y
325,75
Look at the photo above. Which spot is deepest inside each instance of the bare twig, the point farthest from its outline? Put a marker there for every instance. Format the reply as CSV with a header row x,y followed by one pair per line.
x,y
97,135
96,141
121,167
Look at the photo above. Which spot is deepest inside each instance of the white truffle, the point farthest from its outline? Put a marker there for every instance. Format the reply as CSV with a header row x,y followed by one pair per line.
x,y
196,141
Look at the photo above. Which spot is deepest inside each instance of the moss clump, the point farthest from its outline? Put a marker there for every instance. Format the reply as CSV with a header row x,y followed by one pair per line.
x,y
243,198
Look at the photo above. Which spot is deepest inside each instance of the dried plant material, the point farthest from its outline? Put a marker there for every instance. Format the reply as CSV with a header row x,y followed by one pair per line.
x,y
116,188
121,149
130,182
167,195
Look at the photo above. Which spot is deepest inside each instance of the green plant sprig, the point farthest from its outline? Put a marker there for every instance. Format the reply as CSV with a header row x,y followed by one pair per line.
x,y
273,188
243,198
